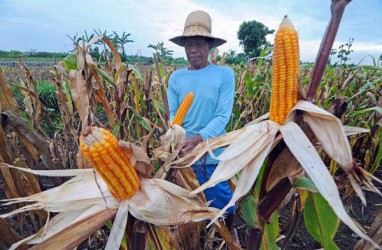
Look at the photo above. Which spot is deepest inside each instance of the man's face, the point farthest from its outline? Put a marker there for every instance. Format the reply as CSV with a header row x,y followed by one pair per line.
x,y
197,49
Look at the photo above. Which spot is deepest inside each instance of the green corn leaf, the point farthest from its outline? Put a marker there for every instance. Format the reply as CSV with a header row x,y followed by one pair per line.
x,y
248,205
305,184
378,158
144,123
376,109
249,211
249,85
320,220
159,239
136,72
70,61
271,232
104,75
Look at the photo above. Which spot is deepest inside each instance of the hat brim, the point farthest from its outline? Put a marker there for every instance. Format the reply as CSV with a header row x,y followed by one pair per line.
x,y
179,40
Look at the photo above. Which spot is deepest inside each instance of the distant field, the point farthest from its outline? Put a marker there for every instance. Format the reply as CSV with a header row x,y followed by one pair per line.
x,y
31,59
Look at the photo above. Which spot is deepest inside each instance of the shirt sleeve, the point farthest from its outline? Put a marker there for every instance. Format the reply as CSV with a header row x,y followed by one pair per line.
x,y
172,98
223,108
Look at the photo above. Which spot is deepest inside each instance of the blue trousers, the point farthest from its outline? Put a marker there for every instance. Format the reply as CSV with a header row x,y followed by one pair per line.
x,y
220,194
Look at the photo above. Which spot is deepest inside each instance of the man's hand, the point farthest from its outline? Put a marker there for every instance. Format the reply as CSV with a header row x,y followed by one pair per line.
x,y
189,144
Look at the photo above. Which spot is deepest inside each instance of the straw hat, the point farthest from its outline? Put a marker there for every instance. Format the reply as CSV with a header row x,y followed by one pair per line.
x,y
198,23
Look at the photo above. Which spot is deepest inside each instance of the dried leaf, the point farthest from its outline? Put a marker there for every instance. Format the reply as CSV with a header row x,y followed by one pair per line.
x,y
29,98
81,161
7,100
76,233
26,183
5,156
375,233
349,130
117,61
139,159
5,152
80,94
100,97
35,144
8,235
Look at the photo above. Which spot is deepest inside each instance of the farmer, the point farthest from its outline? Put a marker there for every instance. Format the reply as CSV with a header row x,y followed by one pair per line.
x,y
213,87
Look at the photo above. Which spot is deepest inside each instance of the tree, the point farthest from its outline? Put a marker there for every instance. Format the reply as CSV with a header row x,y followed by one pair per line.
x,y
252,35
232,58
120,41
161,52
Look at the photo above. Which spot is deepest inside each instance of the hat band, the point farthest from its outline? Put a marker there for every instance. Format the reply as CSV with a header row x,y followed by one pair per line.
x,y
196,30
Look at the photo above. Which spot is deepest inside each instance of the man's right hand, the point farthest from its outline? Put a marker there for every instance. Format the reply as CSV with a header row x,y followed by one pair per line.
x,y
189,144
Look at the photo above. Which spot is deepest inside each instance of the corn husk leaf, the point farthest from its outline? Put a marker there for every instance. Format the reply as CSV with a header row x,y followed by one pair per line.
x,y
139,158
163,203
210,144
157,201
169,150
117,231
330,133
246,153
69,196
205,147
247,146
306,154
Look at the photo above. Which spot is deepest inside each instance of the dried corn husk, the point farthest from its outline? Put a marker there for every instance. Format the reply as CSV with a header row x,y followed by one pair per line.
x,y
252,144
169,150
157,201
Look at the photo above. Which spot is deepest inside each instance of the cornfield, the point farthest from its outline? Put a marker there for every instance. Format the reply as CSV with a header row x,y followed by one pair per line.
x,y
45,110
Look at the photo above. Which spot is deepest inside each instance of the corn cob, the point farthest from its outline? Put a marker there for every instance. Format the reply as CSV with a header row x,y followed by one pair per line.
x,y
183,108
110,161
285,69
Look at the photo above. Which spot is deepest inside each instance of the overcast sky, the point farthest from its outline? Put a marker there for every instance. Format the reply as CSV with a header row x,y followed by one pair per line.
x,y
43,25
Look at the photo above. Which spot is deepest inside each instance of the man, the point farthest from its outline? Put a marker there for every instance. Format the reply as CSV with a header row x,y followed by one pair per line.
x,y
213,87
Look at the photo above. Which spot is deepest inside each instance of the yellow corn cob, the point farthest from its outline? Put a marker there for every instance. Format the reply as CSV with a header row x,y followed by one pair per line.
x,y
111,162
285,69
183,108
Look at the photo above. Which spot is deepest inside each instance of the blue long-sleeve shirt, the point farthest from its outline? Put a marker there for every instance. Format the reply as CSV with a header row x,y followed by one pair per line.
x,y
213,87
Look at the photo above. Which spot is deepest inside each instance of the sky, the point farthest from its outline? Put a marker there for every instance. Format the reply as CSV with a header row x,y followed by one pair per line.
x,y
44,25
